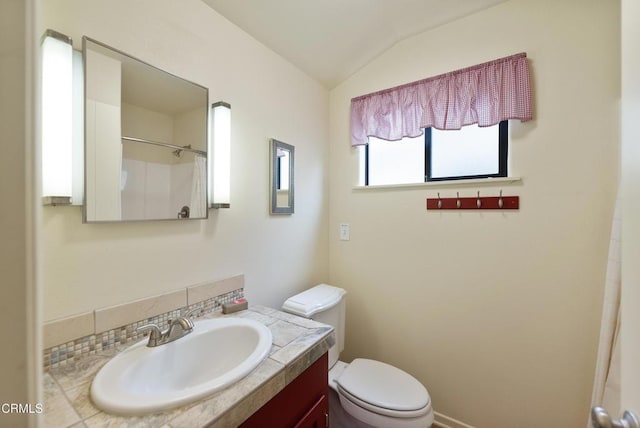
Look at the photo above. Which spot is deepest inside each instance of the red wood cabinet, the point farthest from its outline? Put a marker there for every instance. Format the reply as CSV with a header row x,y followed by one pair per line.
x,y
318,416
304,403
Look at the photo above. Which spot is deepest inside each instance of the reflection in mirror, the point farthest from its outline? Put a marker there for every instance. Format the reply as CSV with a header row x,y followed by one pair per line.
x,y
145,140
282,177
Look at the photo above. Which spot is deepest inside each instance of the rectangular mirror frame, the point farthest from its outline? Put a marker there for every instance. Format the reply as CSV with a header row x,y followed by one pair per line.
x,y
168,146
289,208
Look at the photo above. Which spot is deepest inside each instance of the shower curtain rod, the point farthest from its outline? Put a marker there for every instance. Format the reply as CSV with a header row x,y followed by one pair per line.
x,y
170,146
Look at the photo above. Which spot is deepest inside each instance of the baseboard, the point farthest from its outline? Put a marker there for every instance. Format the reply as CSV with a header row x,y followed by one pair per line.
x,y
442,421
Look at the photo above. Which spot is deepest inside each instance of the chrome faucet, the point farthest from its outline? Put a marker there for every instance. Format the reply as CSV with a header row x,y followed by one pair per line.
x,y
178,327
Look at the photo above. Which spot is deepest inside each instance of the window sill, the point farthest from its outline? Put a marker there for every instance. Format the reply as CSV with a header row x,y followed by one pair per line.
x,y
448,183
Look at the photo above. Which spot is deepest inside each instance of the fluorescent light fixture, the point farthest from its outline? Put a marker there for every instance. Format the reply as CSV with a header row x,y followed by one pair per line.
x,y
77,195
220,173
57,117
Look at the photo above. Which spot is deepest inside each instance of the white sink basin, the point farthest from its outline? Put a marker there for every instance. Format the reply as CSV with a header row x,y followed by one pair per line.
x,y
217,353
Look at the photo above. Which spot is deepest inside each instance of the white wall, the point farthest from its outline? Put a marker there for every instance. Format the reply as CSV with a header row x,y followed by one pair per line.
x,y
103,152
497,313
187,130
630,133
20,363
95,265
140,122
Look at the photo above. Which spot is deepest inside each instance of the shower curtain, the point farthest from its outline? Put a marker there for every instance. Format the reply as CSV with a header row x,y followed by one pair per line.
x,y
199,188
606,387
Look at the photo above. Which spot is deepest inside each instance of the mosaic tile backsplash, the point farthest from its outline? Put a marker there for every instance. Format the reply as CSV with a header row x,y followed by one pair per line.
x,y
60,355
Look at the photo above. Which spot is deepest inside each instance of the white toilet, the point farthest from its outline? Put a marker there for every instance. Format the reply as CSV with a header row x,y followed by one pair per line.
x,y
373,392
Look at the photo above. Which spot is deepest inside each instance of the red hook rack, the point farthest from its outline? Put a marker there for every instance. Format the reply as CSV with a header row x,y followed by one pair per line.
x,y
474,203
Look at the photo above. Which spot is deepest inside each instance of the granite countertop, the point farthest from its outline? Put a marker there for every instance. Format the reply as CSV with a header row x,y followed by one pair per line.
x,y
297,343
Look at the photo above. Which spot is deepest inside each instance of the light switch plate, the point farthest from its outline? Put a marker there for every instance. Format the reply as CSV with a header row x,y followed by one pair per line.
x,y
345,231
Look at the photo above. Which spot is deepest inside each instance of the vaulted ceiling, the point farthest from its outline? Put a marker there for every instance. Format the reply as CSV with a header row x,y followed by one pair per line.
x,y
331,39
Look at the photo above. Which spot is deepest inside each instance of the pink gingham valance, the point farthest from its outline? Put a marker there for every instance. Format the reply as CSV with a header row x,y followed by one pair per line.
x,y
484,94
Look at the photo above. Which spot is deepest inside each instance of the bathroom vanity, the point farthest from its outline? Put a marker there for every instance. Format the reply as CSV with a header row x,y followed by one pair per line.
x,y
288,389
302,403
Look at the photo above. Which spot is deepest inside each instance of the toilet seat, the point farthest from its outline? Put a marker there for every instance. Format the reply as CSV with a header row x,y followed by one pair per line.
x,y
383,389
396,414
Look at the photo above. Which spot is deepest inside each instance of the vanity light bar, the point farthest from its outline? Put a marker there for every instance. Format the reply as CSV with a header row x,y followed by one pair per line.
x,y
57,111
220,173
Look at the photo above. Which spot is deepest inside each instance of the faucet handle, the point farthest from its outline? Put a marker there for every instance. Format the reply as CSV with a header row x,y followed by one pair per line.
x,y
155,334
193,311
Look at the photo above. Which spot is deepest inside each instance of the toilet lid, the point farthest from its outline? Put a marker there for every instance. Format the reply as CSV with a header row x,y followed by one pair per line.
x,y
314,300
383,385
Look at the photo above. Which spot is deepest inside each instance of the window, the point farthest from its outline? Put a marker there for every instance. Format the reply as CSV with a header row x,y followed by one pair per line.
x,y
471,152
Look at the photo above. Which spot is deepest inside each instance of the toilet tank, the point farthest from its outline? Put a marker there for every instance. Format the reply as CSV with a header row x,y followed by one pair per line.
x,y
326,304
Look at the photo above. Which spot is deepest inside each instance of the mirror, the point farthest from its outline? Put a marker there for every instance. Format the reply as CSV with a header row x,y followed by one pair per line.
x,y
145,140
282,178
